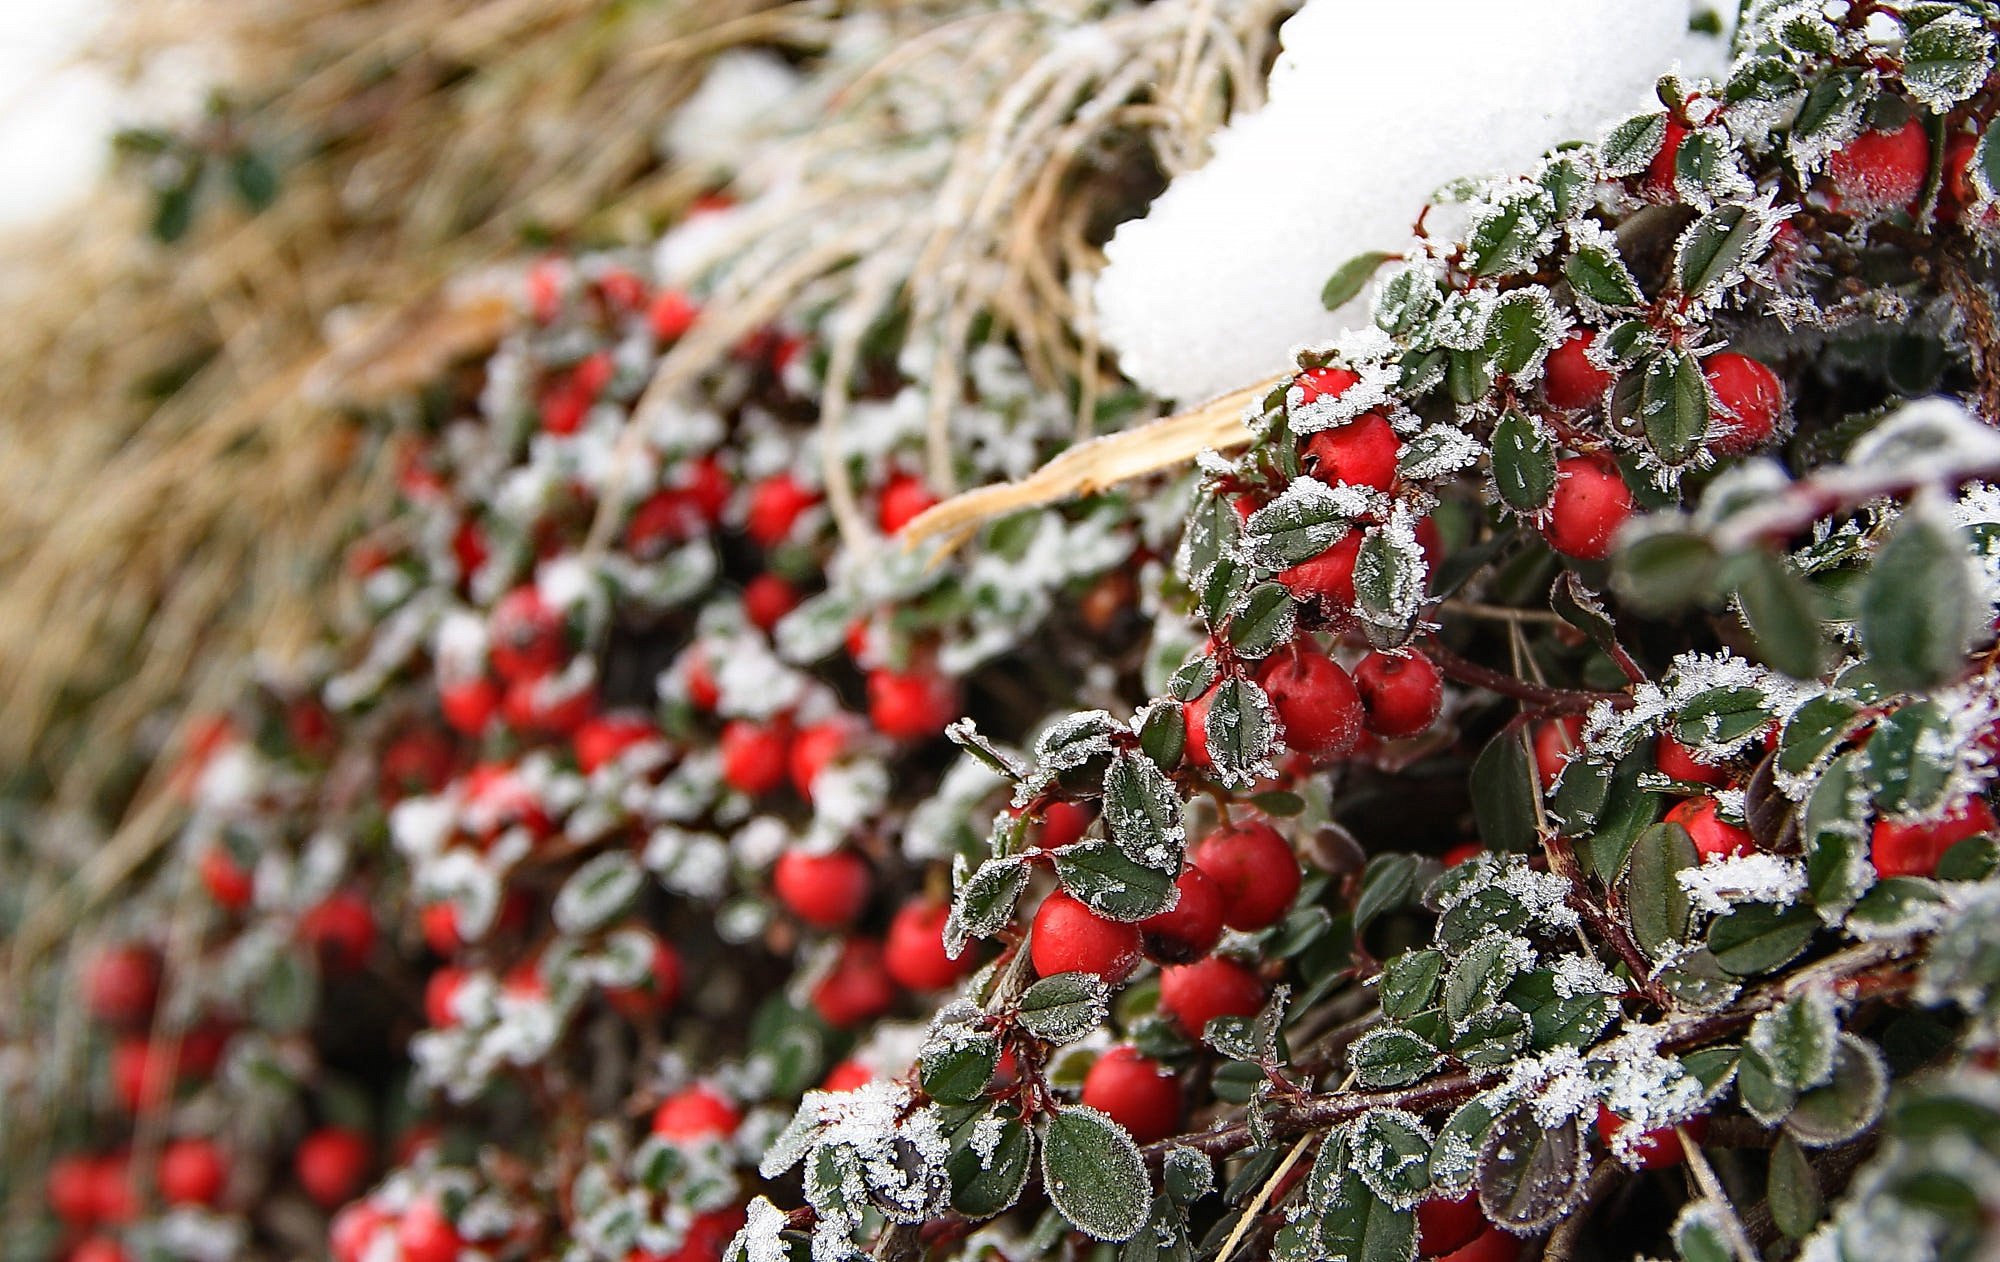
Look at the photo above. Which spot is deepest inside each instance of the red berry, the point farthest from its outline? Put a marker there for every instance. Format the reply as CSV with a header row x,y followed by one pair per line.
x,y
1191,928
1748,400
71,1189
1328,577
1136,1091
1444,1226
228,882
426,1235
847,1075
1660,172
98,1249
1401,694
1914,849
1880,170
470,704
1194,719
1492,1245
441,994
768,598
662,519
1591,503
776,504
1315,700
1195,994
858,989
1555,742
1325,383
1656,1148
141,1073
1569,380
1255,871
527,635
353,1231
1063,824
914,953
707,485
192,1172
1713,839
1957,191
1362,452
656,993
341,929
694,1113
702,691
1676,761
122,984
754,755
812,749
1463,852
1068,937
911,705
601,739
904,498
418,761
331,1164
824,890
116,1196
563,407
671,315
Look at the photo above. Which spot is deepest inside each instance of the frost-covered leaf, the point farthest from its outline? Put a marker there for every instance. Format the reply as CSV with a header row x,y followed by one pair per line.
x,y
1847,1105
1241,730
1359,1226
1112,882
984,902
989,1163
1597,272
1797,1040
1074,740
1142,811
1531,1174
1946,61
1792,1190
1520,331
1390,1056
1701,1233
1455,1156
1266,621
1194,677
1524,463
966,735
1674,406
1814,730
1757,938
1093,1173
1920,603
1408,982
1716,248
1510,233
602,888
1436,451
1408,299
1064,1007
1631,146
957,1069
1306,519
1390,1150
1910,758
1163,734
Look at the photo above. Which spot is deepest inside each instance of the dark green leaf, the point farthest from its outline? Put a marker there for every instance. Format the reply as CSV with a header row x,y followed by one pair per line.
x,y
983,1187
1504,789
1265,621
1910,759
1064,1007
958,1072
1654,899
1778,606
1792,1190
1596,272
1116,887
1347,280
1530,1174
1408,982
1524,463
1919,604
1759,937
1092,1170
1846,1106
1390,1056
1666,571
1673,406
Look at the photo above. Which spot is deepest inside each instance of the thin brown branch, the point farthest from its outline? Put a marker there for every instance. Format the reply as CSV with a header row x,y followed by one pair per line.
x,y
1553,700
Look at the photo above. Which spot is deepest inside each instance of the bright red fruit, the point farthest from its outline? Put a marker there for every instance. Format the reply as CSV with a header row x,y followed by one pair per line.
x,y
754,755
1444,1226
1463,852
1880,170
1325,383
1591,503
1656,1148
1495,1244
1063,824
1316,702
1068,937
1677,762
904,497
140,1073
192,1172
655,994
768,598
1194,719
1136,1091
341,929
695,1113
671,315
776,504
914,953
71,1189
98,1249
1255,871
441,995
812,749
1555,741
1914,849
122,984
911,705
601,739
1749,399
1191,928
353,1231
228,882
470,704
1400,693
1660,172
858,989
426,1235
824,890
1713,838
847,1075
527,635
331,1164
1569,380
1195,994
1362,452
116,1196
1328,577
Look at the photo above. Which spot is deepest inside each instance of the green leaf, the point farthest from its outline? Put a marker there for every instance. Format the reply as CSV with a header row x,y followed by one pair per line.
x,y
1698,1233
173,211
1142,811
1595,271
1530,1174
958,1072
1240,731
1524,463
1194,677
1478,976
1265,621
1407,300
1361,1227
1391,1153
984,902
1919,604
1520,330
1408,982
1792,1190
1064,1007
1390,1056
1946,61
1673,406
1849,1104
1305,520
1759,937
1910,758
1832,106
1504,789
1346,283
286,996
1986,163
1510,234
1654,899
1714,249
1455,1156
254,179
983,1185
1115,886
1187,1175
1778,607
1814,730
1797,1040
1163,735
1665,571
1388,882
1093,1173
1631,146
1722,715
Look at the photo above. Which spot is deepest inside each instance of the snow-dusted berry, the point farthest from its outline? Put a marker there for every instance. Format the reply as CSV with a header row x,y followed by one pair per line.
x,y
776,504
1316,702
1655,1149
192,1172
754,755
1677,762
341,930
1362,452
1328,577
696,1113
1555,742
1915,849
767,598
1714,837
1569,380
1880,170
904,498
858,988
914,951
426,1235
656,993
911,705
1748,397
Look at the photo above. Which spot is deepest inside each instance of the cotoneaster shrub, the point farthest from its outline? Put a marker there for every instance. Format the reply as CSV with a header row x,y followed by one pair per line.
x,y
1534,796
